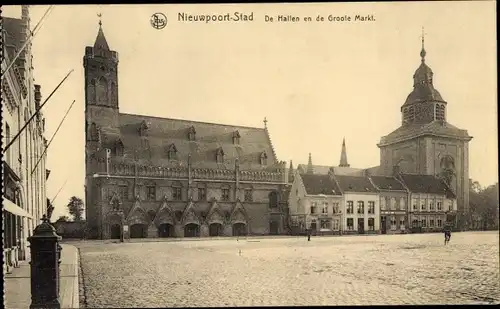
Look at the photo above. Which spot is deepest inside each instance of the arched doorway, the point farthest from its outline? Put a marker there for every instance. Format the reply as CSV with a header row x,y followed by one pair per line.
x,y
116,231
138,231
239,229
215,229
191,230
166,230
273,228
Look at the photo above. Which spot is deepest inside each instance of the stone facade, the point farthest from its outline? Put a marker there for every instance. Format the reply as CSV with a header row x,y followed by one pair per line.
x,y
426,143
158,177
25,200
314,203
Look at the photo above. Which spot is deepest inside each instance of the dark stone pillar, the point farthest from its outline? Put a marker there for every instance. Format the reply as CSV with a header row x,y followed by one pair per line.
x,y
45,261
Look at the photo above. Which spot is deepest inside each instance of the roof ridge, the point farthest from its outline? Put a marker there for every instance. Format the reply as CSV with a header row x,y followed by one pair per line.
x,y
195,121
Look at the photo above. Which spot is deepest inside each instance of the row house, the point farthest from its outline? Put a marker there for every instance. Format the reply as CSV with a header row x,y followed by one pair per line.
x,y
393,204
314,204
24,162
432,204
361,209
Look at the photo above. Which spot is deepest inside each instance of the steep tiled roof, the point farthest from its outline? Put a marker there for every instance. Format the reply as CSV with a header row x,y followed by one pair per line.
x,y
320,184
14,29
324,170
355,184
210,138
387,183
435,127
426,184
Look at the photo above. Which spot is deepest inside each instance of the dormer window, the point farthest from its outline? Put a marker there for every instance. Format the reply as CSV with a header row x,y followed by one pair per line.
x,y
236,137
172,152
192,133
143,130
219,157
119,148
263,158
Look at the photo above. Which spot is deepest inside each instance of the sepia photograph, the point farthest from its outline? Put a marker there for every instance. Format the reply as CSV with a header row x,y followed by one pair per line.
x,y
236,155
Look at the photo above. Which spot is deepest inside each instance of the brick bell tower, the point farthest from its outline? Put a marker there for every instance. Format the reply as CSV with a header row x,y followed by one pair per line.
x,y
426,143
101,119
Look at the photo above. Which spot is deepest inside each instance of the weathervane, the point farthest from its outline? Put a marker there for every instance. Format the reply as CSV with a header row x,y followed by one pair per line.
x,y
422,52
265,122
100,21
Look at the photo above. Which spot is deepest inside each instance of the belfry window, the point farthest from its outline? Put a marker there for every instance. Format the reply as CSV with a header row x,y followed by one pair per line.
x,y
94,132
411,113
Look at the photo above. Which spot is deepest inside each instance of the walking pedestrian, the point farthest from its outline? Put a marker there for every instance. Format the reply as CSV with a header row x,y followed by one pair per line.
x,y
447,235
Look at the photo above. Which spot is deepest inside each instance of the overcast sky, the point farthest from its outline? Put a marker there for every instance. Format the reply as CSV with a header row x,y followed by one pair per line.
x,y
315,82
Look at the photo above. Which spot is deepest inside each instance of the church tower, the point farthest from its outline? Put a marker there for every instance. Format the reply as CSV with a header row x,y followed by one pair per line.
x,y
101,116
426,143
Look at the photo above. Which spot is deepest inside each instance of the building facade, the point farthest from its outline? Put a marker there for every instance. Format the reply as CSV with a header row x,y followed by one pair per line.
x,y
393,204
432,203
426,143
159,177
360,207
24,195
314,204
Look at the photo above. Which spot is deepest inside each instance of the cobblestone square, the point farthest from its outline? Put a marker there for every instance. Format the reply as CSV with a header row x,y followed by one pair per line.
x,y
348,270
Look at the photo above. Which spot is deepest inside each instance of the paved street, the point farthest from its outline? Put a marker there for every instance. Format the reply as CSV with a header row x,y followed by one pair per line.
x,y
354,270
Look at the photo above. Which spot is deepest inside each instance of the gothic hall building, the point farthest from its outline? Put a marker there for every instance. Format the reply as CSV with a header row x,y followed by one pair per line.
x,y
158,177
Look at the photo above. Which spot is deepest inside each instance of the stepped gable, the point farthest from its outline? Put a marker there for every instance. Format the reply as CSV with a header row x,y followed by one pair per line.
x,y
320,184
426,184
387,183
208,140
355,184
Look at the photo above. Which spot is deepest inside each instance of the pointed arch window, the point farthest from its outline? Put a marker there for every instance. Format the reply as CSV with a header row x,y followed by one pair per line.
x,y
263,158
236,137
172,152
114,98
119,148
273,199
192,133
219,156
102,88
94,132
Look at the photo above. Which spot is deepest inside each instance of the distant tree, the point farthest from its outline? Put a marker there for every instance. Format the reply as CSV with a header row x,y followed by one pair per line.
x,y
75,208
63,219
484,204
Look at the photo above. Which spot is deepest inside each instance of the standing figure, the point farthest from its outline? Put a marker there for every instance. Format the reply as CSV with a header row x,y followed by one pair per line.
x,y
447,235
309,235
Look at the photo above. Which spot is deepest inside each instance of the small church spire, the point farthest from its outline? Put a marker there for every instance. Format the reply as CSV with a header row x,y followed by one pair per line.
x,y
100,41
290,172
423,52
265,122
343,155
310,169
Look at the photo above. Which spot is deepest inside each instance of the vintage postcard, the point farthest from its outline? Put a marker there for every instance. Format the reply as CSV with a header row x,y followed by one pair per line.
x,y
228,155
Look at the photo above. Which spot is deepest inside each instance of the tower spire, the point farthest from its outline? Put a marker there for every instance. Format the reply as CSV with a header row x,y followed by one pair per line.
x,y
310,169
343,155
100,41
423,52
